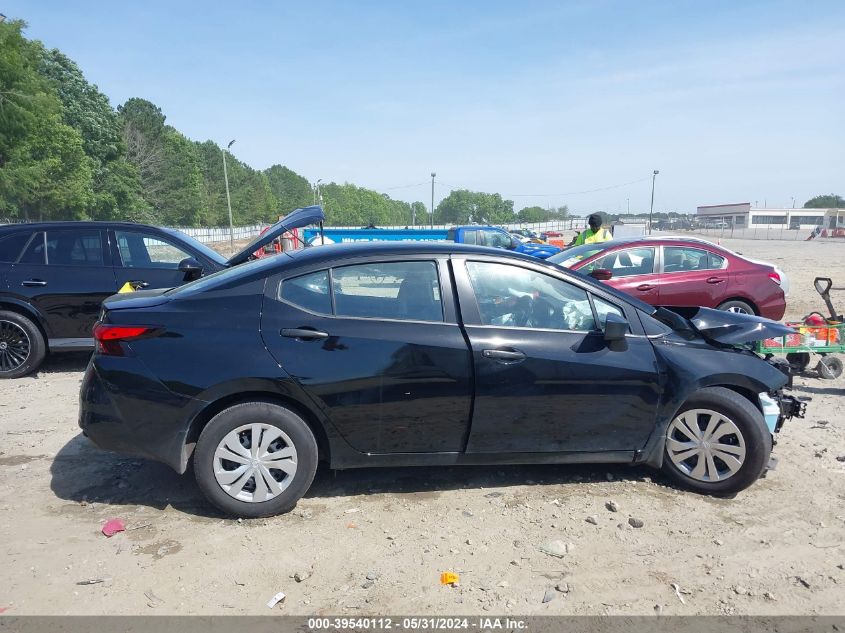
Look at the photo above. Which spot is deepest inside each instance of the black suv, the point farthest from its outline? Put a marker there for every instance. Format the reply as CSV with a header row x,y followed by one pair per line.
x,y
55,275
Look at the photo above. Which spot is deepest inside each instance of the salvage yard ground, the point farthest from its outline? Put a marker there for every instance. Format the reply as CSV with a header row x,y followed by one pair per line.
x,y
376,541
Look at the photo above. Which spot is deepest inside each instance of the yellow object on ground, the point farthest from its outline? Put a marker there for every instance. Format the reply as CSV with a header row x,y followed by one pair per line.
x,y
449,578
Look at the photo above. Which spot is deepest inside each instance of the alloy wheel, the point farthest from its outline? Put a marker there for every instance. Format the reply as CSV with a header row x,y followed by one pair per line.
x,y
737,310
705,445
15,346
255,462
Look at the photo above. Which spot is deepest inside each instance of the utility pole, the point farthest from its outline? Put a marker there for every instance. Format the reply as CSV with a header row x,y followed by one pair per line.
x,y
432,198
628,206
315,188
228,198
651,208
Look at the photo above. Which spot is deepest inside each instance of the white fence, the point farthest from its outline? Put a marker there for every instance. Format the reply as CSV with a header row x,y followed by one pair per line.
x,y
220,234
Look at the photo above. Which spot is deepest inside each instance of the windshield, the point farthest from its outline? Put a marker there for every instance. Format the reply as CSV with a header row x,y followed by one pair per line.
x,y
570,256
197,245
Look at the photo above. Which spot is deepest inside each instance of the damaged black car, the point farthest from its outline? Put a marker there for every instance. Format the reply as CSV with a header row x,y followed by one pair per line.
x,y
385,354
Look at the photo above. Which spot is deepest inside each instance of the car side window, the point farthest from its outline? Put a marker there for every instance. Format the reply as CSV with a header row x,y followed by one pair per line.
x,y
309,292
682,259
144,250
389,290
75,247
625,263
497,239
471,237
603,308
512,296
12,245
35,252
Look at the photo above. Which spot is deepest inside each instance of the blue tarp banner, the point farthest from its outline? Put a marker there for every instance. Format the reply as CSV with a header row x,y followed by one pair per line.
x,y
379,235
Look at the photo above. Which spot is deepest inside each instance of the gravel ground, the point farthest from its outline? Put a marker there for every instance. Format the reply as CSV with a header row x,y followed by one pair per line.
x,y
376,541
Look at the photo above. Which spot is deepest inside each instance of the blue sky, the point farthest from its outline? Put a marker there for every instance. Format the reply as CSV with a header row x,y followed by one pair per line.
x,y
731,101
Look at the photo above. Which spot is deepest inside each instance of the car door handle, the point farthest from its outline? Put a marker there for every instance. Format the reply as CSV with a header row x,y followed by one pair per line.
x,y
645,287
139,283
715,280
504,355
31,283
303,333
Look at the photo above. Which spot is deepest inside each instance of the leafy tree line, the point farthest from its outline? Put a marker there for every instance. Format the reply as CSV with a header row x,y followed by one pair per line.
x,y
65,153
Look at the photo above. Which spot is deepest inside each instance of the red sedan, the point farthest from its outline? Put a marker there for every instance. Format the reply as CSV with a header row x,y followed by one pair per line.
x,y
681,272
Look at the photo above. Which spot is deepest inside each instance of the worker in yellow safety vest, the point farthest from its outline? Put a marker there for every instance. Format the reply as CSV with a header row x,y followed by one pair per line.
x,y
594,234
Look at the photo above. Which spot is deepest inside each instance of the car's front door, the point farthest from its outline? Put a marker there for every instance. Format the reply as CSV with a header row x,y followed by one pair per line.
x,y
65,273
545,379
692,277
148,259
634,272
378,348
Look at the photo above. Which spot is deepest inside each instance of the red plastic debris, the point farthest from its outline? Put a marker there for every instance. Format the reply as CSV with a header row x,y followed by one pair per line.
x,y
113,526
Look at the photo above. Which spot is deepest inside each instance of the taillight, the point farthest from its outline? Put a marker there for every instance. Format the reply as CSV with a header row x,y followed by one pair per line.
x,y
108,337
775,277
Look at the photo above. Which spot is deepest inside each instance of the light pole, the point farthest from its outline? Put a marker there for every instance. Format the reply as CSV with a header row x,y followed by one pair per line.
x,y
316,190
432,198
651,208
228,198
628,206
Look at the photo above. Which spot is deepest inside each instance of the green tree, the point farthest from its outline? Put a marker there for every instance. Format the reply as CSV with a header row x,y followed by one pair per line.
x,y
463,206
292,191
830,201
44,172
534,214
116,185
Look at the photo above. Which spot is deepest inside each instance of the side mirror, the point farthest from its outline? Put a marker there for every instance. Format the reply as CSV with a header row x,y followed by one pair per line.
x,y
615,328
191,267
602,274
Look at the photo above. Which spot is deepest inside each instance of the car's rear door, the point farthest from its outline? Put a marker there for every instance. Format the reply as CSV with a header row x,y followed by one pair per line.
x,y
377,345
65,273
545,380
692,277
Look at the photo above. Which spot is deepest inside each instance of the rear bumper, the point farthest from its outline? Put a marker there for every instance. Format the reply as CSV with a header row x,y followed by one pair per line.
x,y
123,408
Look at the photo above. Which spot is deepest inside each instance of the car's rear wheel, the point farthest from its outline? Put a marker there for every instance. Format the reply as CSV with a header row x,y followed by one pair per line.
x,y
255,459
717,443
735,305
22,346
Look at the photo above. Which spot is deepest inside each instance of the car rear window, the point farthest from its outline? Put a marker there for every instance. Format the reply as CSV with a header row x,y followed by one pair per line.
x,y
12,245
310,292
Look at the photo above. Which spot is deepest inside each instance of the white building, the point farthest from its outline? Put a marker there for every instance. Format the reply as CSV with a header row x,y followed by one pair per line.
x,y
744,216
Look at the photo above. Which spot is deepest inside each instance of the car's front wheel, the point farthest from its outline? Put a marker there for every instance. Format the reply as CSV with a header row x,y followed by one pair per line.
x,y
22,346
717,443
255,459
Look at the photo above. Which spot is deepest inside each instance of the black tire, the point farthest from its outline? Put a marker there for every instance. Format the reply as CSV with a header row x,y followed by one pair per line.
x,y
756,437
735,305
799,361
19,338
271,415
829,368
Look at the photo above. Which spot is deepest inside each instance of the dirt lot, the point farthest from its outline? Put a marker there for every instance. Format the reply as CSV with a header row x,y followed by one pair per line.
x,y
376,541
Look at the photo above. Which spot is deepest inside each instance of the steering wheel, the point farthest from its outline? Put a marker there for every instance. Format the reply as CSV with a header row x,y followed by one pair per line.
x,y
541,313
522,311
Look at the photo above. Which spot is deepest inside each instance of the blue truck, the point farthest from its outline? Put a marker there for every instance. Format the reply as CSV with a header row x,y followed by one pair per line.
x,y
470,234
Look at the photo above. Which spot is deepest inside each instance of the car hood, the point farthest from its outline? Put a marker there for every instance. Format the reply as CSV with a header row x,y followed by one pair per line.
x,y
293,220
732,328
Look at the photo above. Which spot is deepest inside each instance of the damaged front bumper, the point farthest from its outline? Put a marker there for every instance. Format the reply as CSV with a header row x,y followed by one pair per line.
x,y
778,408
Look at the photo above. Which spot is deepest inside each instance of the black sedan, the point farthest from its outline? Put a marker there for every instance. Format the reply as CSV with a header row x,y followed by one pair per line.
x,y
384,354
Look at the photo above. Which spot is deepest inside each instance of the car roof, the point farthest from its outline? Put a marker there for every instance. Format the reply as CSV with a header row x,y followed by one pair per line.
x,y
355,249
68,224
